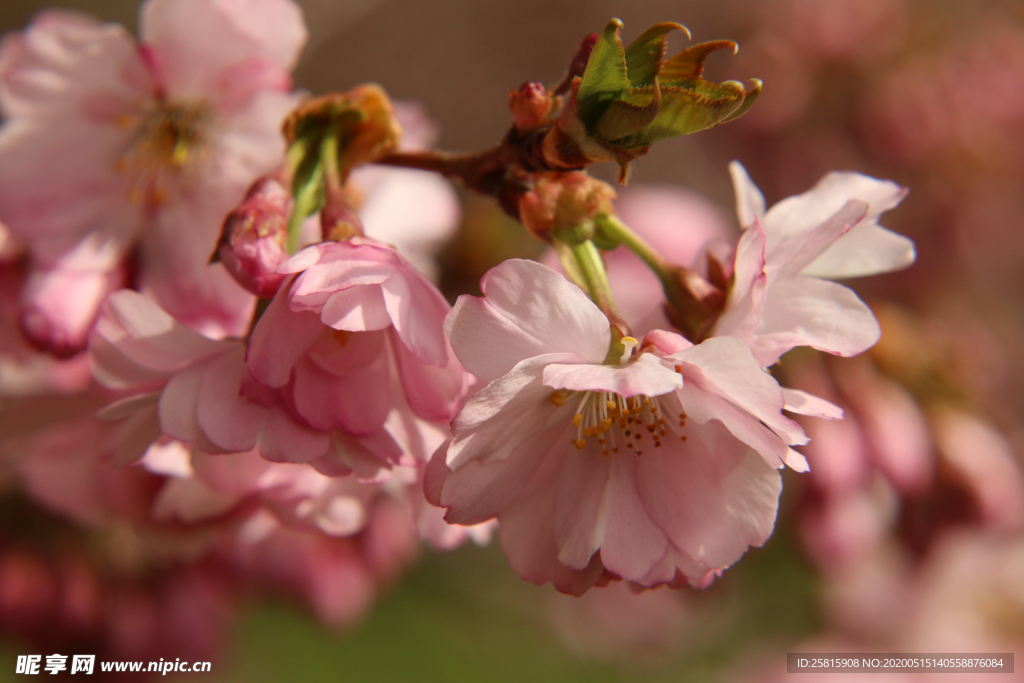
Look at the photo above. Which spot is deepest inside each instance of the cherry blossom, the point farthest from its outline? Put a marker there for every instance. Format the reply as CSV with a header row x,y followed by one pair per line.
x,y
353,311
111,146
781,296
658,467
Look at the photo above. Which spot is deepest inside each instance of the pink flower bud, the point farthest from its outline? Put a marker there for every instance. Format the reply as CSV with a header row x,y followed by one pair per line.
x,y
252,243
530,105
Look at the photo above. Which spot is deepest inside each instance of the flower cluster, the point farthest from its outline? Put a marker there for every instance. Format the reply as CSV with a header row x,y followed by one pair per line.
x,y
281,392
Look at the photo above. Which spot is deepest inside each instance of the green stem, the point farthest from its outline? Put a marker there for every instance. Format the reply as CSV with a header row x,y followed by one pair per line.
x,y
293,158
591,269
329,162
307,199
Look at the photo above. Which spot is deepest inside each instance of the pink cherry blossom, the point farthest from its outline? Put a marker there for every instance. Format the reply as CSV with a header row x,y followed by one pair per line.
x,y
781,296
200,390
347,369
658,469
354,314
111,146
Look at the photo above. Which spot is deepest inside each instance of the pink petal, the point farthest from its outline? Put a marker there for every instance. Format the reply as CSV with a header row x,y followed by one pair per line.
x,y
494,423
418,312
357,309
174,253
702,407
792,254
803,212
347,456
667,343
581,508
750,206
356,403
63,83
342,353
282,439
802,403
280,339
712,501
727,368
61,303
125,407
228,420
179,403
195,42
747,290
435,473
806,311
432,393
149,337
482,489
527,310
868,249
632,542
527,537
646,375
341,265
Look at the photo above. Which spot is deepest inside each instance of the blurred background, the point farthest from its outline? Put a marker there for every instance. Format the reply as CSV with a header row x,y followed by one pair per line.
x,y
906,535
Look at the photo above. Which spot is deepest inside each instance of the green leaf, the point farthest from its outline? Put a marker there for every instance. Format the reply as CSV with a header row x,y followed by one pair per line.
x,y
645,54
605,76
687,108
637,109
753,92
689,64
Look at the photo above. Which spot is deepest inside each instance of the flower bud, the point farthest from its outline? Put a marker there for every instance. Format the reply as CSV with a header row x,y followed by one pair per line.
x,y
565,203
252,243
530,105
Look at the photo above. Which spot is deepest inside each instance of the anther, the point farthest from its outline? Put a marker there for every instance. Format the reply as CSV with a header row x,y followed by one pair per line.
x,y
628,344
581,444
577,419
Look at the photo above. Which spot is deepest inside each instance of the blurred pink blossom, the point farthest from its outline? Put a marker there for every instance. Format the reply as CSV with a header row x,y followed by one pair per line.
x,y
109,146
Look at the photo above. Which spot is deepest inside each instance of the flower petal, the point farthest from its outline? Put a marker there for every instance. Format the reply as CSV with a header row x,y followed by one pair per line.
x,y
196,42
527,310
280,339
750,206
496,421
632,543
802,403
727,368
806,311
868,249
581,505
228,420
803,212
714,499
433,393
646,375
